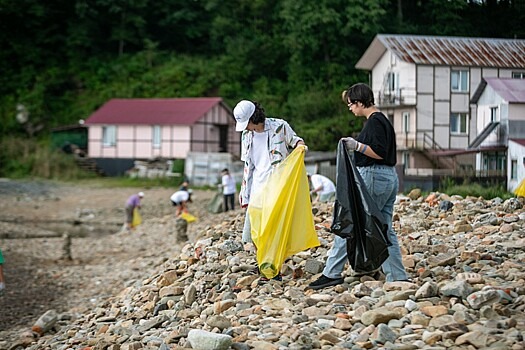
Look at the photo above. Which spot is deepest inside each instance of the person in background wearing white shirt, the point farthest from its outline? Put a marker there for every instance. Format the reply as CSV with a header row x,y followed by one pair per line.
x,y
228,190
179,200
322,187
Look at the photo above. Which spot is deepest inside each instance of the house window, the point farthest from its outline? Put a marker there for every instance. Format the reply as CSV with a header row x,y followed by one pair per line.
x,y
109,135
156,136
406,122
514,169
390,117
518,75
458,123
459,80
393,82
493,114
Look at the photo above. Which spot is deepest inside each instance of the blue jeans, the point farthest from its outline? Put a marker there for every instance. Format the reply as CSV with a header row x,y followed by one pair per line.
x,y
382,185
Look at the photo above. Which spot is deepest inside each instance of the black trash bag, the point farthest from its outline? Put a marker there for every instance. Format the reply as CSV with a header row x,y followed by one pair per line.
x,y
357,218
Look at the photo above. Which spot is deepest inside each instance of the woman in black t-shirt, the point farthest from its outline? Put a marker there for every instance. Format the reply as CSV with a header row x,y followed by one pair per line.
x,y
375,158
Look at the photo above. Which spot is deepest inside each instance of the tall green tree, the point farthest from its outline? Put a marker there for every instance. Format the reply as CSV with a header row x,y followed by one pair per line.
x,y
326,37
32,37
180,25
121,23
246,41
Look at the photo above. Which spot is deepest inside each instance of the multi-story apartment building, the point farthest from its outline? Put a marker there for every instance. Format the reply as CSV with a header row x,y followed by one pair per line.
x,y
430,88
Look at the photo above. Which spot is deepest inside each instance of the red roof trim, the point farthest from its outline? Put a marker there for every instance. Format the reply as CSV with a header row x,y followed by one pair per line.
x,y
154,111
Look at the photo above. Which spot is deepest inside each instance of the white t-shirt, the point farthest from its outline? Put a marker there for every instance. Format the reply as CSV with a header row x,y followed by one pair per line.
x,y
228,184
320,180
180,196
261,159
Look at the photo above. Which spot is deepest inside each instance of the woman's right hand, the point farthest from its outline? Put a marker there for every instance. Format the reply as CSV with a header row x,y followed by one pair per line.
x,y
350,143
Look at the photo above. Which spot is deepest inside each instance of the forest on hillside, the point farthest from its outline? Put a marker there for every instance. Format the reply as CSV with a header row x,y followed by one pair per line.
x,y
62,59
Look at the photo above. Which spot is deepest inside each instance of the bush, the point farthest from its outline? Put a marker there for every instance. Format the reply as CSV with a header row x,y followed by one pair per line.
x,y
23,157
476,190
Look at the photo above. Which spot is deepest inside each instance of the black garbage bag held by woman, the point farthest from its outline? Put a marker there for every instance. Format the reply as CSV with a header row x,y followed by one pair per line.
x,y
357,218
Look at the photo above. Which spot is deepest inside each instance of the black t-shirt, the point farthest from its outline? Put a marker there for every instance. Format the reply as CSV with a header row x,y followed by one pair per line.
x,y
378,134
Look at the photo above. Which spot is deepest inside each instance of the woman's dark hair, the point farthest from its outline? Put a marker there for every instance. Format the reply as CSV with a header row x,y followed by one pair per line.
x,y
359,93
258,116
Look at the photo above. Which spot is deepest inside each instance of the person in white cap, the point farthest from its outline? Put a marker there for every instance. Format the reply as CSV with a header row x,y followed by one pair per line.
x,y
132,203
265,142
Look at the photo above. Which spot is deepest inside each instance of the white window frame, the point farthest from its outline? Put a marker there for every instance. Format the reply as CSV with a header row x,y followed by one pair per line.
x,y
156,136
406,122
458,123
459,80
518,75
514,169
109,135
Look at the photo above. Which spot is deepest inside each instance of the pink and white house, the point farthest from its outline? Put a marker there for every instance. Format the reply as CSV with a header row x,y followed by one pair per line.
x,y
125,130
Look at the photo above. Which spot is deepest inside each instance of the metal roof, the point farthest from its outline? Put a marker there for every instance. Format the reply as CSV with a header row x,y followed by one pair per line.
x,y
447,51
518,141
511,90
158,111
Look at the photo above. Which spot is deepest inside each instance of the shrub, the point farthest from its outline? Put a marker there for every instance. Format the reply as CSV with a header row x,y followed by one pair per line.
x,y
477,190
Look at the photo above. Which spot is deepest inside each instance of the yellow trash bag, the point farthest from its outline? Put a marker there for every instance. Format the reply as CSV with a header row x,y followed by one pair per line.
x,y
188,217
137,219
281,215
520,190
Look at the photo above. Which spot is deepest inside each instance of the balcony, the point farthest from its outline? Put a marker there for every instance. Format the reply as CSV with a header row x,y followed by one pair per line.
x,y
398,97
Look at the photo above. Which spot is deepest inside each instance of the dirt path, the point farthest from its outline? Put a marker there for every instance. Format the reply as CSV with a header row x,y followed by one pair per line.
x,y
38,278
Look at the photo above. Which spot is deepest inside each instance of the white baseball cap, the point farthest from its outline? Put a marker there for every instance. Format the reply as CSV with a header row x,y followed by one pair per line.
x,y
141,194
242,113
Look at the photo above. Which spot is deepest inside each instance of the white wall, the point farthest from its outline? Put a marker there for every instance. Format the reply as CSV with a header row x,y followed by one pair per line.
x,y
406,72
516,112
515,152
425,79
488,100
442,83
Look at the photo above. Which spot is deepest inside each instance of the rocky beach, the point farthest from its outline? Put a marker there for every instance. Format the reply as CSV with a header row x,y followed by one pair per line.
x,y
151,290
